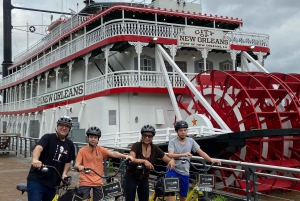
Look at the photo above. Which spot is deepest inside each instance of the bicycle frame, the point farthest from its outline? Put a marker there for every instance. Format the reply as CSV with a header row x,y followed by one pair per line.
x,y
154,197
66,183
196,191
110,178
191,195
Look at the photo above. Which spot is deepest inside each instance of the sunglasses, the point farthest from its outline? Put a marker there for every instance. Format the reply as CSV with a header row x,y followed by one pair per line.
x,y
64,125
148,136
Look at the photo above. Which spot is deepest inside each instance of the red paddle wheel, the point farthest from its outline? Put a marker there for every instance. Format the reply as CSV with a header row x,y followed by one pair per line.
x,y
253,100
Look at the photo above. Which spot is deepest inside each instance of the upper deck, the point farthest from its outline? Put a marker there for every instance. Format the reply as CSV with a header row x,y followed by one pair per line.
x,y
78,21
73,38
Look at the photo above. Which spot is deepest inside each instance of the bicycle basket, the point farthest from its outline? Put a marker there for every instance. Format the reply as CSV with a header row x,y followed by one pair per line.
x,y
159,187
67,196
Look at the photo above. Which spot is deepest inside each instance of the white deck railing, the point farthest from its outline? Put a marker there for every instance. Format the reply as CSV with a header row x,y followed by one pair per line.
x,y
125,139
54,35
118,28
114,80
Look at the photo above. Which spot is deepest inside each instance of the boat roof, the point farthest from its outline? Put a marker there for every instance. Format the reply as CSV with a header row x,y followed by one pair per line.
x,y
145,12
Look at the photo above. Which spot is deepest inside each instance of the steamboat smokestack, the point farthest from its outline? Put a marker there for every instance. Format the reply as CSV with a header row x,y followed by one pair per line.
x,y
7,51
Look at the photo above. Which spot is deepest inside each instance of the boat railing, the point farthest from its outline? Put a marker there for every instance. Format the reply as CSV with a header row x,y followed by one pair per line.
x,y
117,28
52,36
241,38
125,139
138,2
128,78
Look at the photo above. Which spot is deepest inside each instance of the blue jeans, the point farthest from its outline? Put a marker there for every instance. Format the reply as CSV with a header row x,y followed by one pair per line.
x,y
132,186
39,192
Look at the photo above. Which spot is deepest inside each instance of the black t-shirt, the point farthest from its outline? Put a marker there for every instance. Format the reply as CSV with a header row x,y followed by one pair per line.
x,y
55,153
142,174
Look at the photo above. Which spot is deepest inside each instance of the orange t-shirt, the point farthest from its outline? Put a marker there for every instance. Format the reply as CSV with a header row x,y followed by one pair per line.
x,y
91,159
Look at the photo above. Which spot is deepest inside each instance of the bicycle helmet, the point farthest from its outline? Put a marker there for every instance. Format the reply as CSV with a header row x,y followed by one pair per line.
x,y
148,128
180,124
94,131
65,120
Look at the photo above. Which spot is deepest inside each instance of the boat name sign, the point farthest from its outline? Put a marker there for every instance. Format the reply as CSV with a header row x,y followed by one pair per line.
x,y
61,94
203,38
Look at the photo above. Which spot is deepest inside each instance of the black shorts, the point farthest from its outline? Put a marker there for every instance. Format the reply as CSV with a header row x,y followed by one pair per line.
x,y
86,190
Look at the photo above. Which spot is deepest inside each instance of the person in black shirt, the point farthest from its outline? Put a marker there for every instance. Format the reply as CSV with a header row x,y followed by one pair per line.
x,y
53,149
144,153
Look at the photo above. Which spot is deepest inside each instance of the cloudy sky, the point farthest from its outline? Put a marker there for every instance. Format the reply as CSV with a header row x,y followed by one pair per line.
x,y
280,19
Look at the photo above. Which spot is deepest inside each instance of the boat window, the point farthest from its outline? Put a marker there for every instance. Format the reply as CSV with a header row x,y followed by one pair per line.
x,y
226,65
34,89
48,84
181,64
146,64
112,117
199,65
65,78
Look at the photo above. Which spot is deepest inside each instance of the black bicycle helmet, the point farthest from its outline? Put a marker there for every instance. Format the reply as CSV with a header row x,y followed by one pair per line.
x,y
94,131
180,124
65,120
148,128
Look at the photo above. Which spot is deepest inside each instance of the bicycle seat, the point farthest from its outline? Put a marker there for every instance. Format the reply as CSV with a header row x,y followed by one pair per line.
x,y
22,187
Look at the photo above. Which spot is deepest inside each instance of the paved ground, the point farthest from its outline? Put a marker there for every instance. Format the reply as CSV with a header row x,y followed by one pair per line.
x,y
14,170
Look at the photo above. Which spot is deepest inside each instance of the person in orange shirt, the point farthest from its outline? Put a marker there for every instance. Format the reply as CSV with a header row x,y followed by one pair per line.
x,y
92,156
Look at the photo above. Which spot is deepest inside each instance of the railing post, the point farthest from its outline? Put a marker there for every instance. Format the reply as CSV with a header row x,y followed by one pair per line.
x,y
17,145
117,140
254,178
21,145
25,148
12,144
248,186
30,147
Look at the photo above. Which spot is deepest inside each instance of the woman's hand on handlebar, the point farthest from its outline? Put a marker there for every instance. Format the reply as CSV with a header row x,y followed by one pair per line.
x,y
148,165
36,163
128,157
171,164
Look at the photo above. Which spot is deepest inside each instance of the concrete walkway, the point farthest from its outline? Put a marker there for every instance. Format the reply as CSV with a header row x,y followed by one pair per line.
x,y
14,170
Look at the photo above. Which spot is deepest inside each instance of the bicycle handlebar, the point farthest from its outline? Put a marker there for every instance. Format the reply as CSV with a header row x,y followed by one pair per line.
x,y
66,181
126,162
159,172
199,170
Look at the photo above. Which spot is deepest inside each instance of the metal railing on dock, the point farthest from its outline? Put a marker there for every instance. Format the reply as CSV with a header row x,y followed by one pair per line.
x,y
233,180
